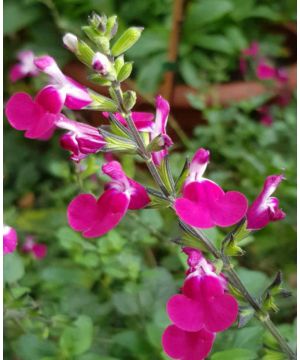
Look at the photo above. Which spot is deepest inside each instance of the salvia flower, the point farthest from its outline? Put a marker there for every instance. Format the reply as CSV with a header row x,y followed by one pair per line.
x,y
252,50
38,250
81,139
265,208
101,63
266,117
203,203
95,217
203,308
71,42
73,95
25,67
10,239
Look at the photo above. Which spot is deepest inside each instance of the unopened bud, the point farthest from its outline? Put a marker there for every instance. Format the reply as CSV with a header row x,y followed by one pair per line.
x,y
101,63
129,99
126,40
71,42
98,22
111,26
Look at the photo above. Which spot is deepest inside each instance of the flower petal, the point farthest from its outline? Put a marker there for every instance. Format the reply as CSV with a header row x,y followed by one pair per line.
x,y
16,73
82,212
198,344
174,342
77,97
111,208
221,309
22,112
50,99
138,196
185,313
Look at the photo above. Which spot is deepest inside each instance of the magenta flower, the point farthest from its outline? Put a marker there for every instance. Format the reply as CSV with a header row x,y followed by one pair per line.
x,y
203,308
265,208
204,204
73,95
83,139
38,250
264,71
38,116
95,217
10,239
183,345
143,120
159,128
25,67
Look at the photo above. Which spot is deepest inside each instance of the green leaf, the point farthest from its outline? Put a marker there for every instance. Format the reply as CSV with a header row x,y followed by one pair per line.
x,y
13,268
77,339
240,354
205,12
33,348
18,16
126,303
218,43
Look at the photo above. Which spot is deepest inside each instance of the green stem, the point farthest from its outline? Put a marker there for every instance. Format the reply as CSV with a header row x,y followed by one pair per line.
x,y
233,277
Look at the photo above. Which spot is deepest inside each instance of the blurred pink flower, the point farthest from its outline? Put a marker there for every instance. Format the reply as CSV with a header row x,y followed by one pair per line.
x,y
38,250
10,239
25,67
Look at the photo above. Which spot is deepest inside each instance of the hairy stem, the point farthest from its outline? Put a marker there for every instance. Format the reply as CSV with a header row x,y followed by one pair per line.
x,y
233,278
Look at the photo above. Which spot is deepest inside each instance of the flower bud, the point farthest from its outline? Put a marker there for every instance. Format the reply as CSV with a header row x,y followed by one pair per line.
x,y
126,40
101,63
71,42
129,99
125,71
98,22
111,26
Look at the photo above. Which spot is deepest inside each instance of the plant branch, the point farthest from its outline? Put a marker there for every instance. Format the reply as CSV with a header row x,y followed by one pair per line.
x,y
233,277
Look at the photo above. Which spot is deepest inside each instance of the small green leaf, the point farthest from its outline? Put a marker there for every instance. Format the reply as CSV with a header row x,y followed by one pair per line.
x,y
240,354
13,268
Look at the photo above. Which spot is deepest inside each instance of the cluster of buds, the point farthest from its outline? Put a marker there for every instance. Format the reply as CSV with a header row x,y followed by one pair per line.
x,y
205,306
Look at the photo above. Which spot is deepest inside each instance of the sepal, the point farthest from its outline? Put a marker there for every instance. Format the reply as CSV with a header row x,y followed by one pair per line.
x,y
117,143
125,71
165,173
246,313
101,103
182,177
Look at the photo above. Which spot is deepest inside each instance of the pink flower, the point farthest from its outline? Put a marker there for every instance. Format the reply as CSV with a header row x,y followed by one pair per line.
x,y
25,67
39,251
83,139
143,120
204,204
95,217
264,71
160,128
10,239
265,208
37,117
183,345
282,76
204,302
203,308
73,95
252,50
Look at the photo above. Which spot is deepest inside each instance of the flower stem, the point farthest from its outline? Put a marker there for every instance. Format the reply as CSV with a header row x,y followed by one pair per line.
x,y
261,314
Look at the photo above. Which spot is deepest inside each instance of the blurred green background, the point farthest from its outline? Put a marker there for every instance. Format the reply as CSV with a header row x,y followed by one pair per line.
x,y
104,299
